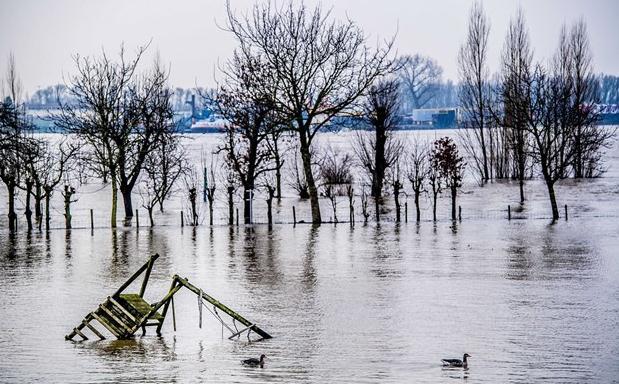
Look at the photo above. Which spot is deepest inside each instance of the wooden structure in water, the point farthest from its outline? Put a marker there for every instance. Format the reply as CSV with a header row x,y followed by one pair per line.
x,y
123,314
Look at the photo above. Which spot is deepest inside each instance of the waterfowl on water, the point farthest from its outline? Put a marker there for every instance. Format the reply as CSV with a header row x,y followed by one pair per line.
x,y
457,363
253,362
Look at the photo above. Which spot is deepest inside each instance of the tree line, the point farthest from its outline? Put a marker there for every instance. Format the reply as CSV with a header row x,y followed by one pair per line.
x,y
295,70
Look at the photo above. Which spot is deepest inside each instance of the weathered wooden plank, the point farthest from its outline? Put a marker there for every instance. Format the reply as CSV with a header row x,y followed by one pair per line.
x,y
223,307
119,307
135,275
108,326
139,305
93,329
77,331
126,328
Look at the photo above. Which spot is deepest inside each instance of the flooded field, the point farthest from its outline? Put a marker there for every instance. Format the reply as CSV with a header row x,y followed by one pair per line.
x,y
529,301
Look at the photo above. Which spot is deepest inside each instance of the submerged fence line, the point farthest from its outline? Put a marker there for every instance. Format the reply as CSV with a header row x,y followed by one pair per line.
x,y
88,219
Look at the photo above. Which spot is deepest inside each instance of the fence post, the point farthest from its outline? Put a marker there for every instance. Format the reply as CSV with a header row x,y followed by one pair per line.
x,y
237,217
137,219
182,220
459,213
565,212
509,212
294,216
406,211
92,221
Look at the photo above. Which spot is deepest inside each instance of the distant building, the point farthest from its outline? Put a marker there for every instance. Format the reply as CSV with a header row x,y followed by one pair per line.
x,y
434,118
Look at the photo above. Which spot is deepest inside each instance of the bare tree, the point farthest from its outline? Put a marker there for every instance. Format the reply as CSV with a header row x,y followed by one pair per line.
x,y
364,206
16,146
118,114
420,77
335,176
321,67
475,91
450,166
435,181
418,168
589,138
246,100
163,167
378,151
516,75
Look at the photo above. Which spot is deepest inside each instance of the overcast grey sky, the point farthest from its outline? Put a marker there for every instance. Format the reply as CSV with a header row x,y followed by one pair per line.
x,y
43,35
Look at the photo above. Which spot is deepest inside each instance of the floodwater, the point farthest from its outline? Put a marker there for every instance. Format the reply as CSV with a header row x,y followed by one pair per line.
x,y
383,303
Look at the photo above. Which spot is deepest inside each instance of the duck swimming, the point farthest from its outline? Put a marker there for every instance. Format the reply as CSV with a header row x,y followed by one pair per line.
x,y
456,363
253,362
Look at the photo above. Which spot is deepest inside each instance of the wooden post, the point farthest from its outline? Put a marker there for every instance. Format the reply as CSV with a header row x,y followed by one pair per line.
x,y
459,213
509,212
565,212
92,221
294,216
237,217
182,220
137,219
173,314
406,211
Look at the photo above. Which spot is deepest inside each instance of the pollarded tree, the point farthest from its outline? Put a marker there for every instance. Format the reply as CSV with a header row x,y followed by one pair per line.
x,y
417,172
450,166
380,149
117,114
321,67
246,100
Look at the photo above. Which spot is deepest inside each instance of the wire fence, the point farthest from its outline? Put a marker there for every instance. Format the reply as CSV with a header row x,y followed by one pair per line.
x,y
293,215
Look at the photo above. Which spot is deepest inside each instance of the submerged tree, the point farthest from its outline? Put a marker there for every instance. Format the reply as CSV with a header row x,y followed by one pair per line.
x,y
321,67
516,75
379,150
450,166
417,173
475,92
164,166
246,100
16,146
117,114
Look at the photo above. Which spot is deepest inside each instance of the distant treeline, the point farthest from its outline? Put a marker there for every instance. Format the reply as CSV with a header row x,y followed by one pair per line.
x,y
445,95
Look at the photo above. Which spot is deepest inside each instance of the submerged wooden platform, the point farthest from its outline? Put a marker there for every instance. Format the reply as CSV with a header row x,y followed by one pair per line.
x,y
123,314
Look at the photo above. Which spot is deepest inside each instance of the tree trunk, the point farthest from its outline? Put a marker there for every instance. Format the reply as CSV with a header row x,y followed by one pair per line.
x,y
128,204
48,197
454,192
150,216
553,200
396,197
521,184
12,215
270,209
114,202
68,192
379,162
434,206
309,178
377,208
230,205
38,198
417,210
247,205
28,212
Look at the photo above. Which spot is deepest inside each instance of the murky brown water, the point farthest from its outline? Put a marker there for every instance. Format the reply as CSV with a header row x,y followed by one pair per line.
x,y
529,301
